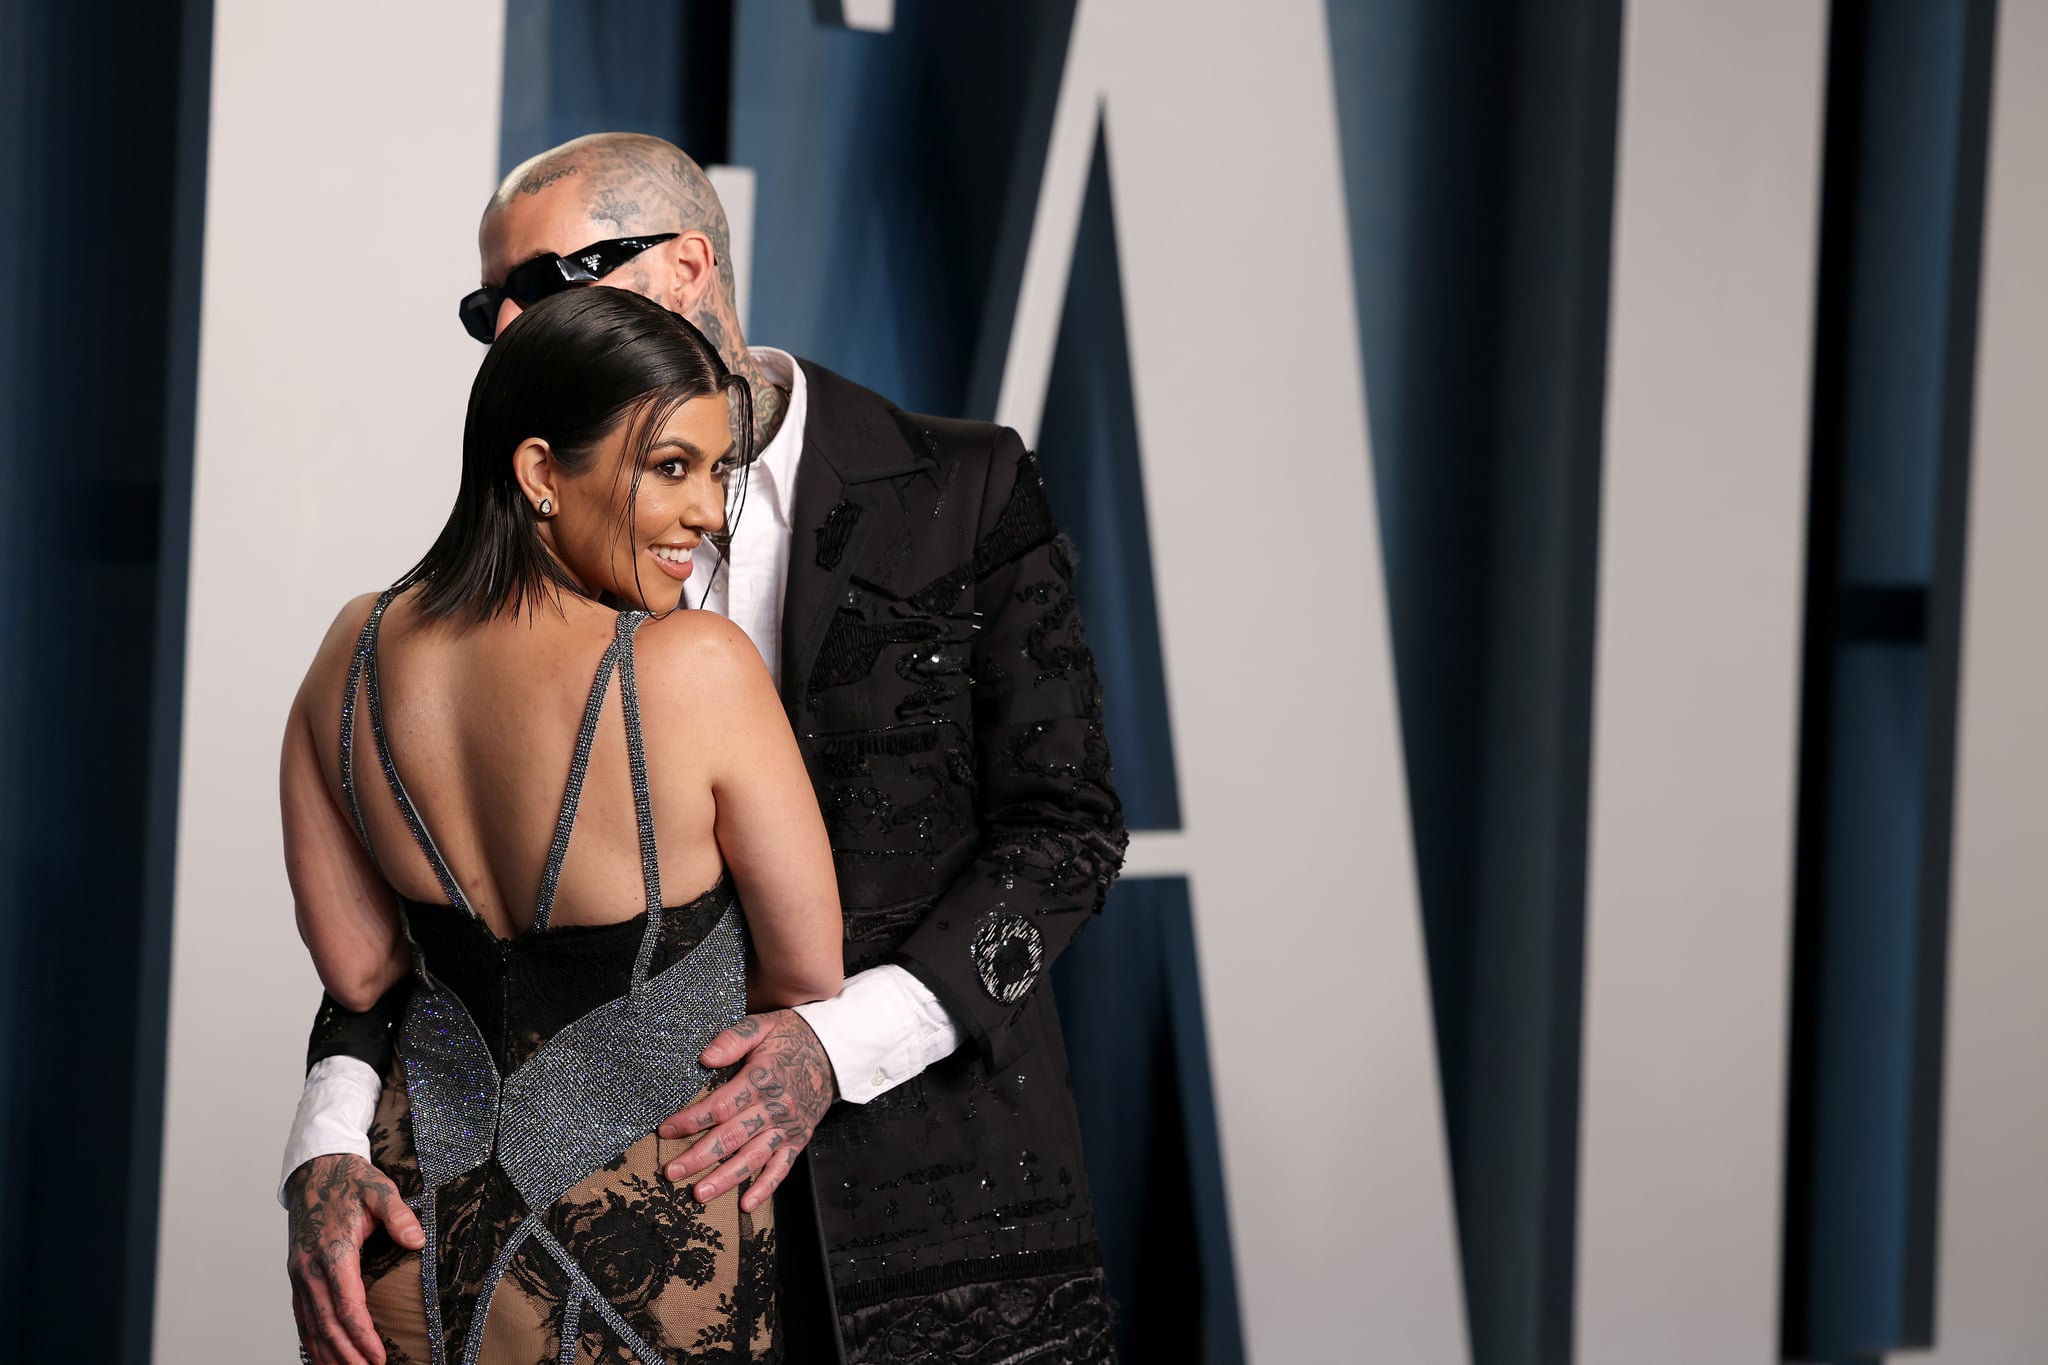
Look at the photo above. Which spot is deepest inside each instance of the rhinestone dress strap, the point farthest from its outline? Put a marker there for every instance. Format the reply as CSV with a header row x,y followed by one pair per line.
x,y
580,1284
643,806
572,1328
427,1209
391,777
365,641
579,767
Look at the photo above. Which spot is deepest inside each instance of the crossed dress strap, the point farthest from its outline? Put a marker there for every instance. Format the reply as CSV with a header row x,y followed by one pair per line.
x,y
620,656
366,640
364,667
363,676
643,805
579,767
459,1110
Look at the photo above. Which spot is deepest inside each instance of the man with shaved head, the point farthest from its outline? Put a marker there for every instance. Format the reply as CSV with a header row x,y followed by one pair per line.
x,y
908,590
629,185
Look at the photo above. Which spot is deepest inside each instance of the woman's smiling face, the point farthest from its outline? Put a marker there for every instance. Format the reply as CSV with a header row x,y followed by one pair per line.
x,y
642,559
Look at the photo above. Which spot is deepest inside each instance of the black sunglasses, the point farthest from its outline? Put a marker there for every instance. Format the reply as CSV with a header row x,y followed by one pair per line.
x,y
531,281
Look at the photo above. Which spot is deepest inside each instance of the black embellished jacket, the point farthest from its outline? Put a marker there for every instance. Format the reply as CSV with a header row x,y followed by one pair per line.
x,y
936,676
946,702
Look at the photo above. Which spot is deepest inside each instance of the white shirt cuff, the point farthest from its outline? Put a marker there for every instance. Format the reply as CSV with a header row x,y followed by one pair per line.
x,y
882,1028
335,1112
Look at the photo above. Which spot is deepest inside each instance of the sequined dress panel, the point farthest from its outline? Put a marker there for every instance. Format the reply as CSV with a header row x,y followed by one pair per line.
x,y
551,1234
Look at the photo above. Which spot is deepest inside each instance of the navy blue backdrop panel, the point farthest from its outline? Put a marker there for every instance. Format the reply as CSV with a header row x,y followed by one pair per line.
x,y
102,142
1902,218
897,175
1088,446
1478,151
638,66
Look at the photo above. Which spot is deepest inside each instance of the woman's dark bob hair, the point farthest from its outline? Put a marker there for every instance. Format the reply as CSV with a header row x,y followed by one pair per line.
x,y
568,370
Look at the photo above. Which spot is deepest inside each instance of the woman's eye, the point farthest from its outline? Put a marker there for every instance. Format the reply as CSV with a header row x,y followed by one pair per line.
x,y
670,468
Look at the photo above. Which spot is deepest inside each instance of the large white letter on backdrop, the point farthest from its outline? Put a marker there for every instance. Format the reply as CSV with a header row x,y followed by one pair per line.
x,y
1697,665
1296,835
347,142
1993,1238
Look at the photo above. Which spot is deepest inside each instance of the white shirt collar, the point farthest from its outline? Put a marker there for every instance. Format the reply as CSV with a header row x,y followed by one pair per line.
x,y
778,460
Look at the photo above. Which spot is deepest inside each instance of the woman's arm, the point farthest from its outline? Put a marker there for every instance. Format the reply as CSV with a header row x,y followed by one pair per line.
x,y
346,914
767,822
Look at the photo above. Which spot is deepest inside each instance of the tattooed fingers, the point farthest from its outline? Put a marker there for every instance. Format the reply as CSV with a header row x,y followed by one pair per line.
x,y
752,1127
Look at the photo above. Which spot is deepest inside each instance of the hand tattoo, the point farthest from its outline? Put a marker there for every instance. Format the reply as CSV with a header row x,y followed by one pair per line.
x,y
333,1204
751,1128
792,1077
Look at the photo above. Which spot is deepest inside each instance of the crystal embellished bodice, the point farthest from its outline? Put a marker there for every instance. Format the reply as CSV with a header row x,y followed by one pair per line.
x,y
550,1054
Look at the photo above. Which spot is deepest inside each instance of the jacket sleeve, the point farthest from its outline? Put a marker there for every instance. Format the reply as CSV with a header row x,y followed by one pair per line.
x,y
369,1036
1051,828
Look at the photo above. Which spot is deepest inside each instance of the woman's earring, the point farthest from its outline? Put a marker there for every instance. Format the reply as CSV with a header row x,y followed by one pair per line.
x,y
546,508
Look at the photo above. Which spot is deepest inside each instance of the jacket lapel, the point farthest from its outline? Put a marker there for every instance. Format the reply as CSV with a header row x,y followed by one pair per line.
x,y
816,581
843,515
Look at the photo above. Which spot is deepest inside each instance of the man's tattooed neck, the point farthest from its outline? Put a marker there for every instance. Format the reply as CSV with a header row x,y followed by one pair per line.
x,y
771,405
771,402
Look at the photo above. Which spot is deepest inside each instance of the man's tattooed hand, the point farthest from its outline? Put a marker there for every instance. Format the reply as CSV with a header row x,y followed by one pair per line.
x,y
334,1203
754,1125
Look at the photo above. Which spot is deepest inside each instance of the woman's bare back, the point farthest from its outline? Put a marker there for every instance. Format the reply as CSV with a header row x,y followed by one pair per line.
x,y
482,723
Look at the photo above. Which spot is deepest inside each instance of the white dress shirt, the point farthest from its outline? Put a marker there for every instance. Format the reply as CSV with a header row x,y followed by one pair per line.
x,y
884,1026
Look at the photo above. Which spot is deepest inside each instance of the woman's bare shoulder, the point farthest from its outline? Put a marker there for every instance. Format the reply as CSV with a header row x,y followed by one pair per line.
x,y
340,640
700,664
702,642
349,621
318,704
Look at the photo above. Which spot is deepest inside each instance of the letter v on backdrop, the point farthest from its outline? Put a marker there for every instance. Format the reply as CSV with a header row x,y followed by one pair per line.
x,y
1295,833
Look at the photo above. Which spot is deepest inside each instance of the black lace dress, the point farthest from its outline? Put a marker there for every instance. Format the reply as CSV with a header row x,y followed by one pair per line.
x,y
518,1113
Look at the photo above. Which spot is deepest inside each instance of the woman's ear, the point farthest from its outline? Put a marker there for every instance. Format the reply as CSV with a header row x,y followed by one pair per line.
x,y
533,465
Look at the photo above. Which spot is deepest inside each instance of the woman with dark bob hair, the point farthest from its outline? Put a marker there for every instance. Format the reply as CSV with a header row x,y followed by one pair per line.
x,y
506,834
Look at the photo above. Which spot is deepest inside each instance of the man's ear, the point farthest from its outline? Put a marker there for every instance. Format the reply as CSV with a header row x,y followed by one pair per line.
x,y
693,273
533,465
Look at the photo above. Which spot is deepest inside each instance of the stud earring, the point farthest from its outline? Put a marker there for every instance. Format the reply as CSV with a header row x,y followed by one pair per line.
x,y
546,508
